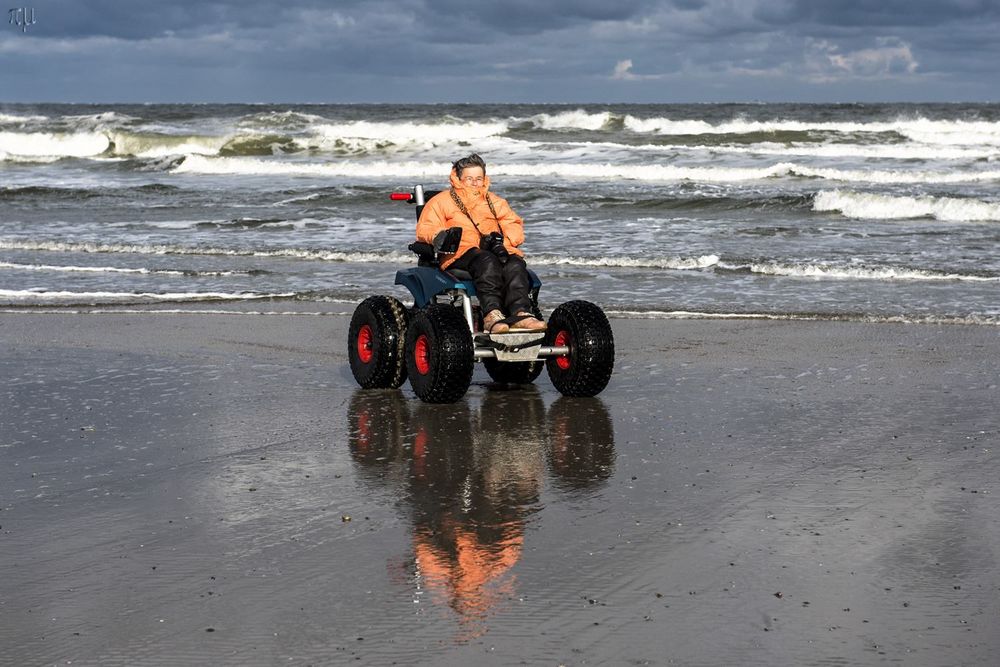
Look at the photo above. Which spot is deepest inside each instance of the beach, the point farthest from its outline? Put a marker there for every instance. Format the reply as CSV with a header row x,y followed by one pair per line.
x,y
213,488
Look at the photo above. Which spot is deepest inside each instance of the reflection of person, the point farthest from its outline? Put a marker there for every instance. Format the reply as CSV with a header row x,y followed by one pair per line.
x,y
491,234
472,492
472,479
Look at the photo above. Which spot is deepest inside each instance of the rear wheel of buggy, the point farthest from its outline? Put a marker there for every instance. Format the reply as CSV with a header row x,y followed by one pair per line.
x,y
439,354
513,372
584,329
375,343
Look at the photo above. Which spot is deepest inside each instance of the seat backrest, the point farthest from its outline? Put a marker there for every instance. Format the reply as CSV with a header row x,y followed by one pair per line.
x,y
427,197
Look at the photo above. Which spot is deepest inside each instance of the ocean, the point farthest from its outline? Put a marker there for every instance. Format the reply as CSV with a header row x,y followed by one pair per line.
x,y
858,211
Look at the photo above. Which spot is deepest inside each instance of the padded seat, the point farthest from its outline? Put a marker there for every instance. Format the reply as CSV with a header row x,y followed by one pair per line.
x,y
459,274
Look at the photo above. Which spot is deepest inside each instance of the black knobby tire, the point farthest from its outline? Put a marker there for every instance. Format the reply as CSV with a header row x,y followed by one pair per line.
x,y
439,354
584,328
513,372
375,343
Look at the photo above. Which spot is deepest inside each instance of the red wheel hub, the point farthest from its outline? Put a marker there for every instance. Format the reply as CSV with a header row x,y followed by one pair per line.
x,y
422,354
562,340
365,340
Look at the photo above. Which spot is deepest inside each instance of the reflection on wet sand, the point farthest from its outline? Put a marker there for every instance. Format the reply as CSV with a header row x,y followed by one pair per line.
x,y
472,476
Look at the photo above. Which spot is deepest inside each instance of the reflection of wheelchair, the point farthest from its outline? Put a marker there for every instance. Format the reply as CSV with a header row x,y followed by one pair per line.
x,y
437,341
448,448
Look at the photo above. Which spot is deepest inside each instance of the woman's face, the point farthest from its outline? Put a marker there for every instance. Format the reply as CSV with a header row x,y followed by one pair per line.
x,y
473,177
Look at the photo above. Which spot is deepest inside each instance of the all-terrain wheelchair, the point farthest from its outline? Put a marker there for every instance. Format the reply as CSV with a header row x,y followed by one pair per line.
x,y
437,342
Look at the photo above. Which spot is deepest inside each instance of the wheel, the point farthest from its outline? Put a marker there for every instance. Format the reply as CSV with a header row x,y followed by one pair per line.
x,y
378,420
581,442
375,343
584,328
439,354
513,372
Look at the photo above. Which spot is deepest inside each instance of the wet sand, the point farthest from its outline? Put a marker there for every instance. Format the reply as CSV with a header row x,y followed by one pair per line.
x,y
214,489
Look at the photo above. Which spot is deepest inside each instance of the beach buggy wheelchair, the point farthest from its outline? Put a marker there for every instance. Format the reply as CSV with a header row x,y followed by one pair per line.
x,y
437,341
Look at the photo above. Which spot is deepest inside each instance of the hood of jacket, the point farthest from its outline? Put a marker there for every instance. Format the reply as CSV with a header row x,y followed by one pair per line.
x,y
470,195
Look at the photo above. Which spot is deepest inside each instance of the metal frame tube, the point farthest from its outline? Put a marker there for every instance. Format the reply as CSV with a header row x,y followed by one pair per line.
x,y
543,351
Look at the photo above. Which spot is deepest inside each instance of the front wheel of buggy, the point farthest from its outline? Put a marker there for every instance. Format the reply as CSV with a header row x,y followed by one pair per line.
x,y
439,354
583,328
375,343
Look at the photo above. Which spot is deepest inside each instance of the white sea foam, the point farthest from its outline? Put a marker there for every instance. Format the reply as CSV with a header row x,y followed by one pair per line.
x,y
656,172
796,270
948,132
405,132
196,164
167,249
14,118
810,317
799,270
53,144
670,263
578,119
887,207
62,296
115,269
590,171
173,311
82,269
902,151
833,272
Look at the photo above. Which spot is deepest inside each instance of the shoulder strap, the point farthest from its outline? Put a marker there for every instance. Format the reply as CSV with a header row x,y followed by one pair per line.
x,y
489,202
461,206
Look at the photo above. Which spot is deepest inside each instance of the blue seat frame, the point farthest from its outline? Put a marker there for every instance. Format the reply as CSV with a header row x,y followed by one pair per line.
x,y
426,282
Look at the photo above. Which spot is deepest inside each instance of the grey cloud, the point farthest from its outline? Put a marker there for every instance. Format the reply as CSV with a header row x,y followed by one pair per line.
x,y
889,13
525,50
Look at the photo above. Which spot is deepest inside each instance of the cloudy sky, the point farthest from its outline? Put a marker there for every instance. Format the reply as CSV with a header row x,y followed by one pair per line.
x,y
505,51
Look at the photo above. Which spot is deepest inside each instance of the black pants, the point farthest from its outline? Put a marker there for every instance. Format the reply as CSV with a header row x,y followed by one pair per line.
x,y
498,285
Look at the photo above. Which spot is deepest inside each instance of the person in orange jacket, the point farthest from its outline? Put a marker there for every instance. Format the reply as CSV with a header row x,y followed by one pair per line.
x,y
491,234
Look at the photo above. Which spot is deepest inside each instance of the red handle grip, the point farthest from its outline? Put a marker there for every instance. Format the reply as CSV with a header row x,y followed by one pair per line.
x,y
400,196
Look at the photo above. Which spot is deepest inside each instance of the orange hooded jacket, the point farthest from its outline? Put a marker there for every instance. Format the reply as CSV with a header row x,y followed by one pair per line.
x,y
441,212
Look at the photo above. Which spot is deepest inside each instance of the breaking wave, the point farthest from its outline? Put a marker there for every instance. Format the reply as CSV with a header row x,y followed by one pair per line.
x,y
889,207
113,134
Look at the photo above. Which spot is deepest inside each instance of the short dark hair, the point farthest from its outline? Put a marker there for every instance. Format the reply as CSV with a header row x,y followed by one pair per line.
x,y
473,160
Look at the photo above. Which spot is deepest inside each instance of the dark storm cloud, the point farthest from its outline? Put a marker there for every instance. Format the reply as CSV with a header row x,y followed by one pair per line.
x,y
143,20
884,13
524,50
533,16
